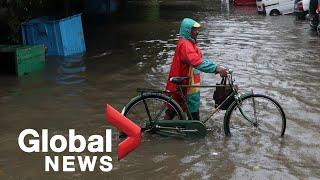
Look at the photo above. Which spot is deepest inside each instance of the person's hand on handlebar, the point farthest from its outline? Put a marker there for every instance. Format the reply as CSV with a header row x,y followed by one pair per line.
x,y
222,71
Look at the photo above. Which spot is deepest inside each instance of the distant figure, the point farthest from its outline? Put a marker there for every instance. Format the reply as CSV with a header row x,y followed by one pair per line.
x,y
314,16
188,62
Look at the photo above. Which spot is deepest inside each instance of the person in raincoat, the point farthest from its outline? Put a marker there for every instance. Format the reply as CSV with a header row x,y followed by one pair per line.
x,y
188,62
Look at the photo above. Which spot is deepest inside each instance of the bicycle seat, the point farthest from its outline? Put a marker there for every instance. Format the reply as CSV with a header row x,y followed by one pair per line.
x,y
178,80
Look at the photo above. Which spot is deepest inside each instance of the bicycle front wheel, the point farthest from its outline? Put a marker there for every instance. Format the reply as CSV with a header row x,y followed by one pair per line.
x,y
255,113
149,107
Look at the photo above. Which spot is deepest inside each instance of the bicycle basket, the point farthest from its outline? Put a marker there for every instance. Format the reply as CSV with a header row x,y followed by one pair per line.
x,y
223,90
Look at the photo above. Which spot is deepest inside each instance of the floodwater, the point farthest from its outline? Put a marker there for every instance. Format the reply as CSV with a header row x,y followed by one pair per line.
x,y
277,56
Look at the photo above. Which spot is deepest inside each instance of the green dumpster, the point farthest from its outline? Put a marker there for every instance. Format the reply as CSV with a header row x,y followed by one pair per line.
x,y
21,59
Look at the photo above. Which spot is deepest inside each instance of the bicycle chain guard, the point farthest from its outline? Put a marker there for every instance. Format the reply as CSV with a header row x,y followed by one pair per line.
x,y
180,128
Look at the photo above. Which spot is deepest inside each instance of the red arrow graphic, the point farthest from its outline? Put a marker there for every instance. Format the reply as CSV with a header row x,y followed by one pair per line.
x,y
125,125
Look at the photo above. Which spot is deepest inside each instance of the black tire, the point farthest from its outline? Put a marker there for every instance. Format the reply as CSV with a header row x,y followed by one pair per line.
x,y
275,12
157,104
271,116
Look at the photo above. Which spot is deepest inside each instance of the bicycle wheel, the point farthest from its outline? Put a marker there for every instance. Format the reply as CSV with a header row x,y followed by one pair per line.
x,y
254,113
150,107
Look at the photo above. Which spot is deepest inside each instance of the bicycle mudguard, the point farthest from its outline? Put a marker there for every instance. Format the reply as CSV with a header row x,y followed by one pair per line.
x,y
181,128
247,93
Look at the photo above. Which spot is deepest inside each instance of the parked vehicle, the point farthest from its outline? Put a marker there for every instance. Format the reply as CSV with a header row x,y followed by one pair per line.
x,y
260,7
314,11
278,7
301,8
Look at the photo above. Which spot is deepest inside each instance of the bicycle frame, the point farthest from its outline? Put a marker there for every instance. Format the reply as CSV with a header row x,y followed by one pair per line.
x,y
180,87
215,110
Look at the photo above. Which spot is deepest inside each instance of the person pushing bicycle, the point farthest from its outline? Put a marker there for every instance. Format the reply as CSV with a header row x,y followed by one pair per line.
x,y
188,61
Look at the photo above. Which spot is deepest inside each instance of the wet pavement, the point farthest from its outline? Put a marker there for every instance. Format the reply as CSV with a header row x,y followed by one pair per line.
x,y
278,56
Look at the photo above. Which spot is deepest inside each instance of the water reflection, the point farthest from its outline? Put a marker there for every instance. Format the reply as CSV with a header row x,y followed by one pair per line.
x,y
66,70
71,70
142,10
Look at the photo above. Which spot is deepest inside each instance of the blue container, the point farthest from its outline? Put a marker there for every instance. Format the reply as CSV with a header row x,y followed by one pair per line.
x,y
62,37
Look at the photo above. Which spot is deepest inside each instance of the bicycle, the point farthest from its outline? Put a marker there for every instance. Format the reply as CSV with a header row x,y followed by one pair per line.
x,y
148,110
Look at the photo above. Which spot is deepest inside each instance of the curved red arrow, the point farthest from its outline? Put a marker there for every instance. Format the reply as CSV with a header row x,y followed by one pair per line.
x,y
125,125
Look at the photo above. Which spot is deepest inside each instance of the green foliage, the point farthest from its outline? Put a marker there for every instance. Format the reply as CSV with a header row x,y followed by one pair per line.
x,y
23,10
29,8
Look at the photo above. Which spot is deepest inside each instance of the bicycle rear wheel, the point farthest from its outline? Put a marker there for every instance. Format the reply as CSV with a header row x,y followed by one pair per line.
x,y
149,107
255,113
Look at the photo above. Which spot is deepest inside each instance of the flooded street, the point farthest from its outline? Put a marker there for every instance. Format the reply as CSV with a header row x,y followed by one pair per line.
x,y
277,56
